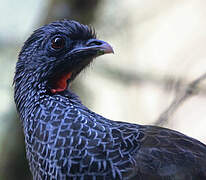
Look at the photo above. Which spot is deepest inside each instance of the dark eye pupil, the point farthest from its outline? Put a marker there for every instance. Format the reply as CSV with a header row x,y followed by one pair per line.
x,y
58,43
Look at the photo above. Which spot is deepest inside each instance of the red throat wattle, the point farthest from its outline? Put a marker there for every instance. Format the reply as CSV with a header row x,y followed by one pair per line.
x,y
60,83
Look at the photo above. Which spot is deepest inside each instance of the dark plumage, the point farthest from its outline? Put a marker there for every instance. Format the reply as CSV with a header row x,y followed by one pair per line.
x,y
65,140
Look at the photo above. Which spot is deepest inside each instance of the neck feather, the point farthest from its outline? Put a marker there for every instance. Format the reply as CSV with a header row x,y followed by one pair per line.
x,y
28,92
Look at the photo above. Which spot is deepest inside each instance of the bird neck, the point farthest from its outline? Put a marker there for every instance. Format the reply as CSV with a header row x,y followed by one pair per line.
x,y
35,101
29,90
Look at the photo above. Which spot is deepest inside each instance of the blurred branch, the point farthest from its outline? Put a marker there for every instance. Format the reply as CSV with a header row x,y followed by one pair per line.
x,y
129,77
187,92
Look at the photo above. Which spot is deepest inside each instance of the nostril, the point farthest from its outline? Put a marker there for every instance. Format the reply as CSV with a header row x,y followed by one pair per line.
x,y
94,43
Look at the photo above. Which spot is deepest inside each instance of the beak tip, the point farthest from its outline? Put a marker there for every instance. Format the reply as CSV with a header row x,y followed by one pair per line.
x,y
107,48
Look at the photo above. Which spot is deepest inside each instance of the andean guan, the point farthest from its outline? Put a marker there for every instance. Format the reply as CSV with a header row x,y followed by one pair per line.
x,y
65,140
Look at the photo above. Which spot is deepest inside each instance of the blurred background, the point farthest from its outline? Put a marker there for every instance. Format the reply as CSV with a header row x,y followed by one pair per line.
x,y
159,49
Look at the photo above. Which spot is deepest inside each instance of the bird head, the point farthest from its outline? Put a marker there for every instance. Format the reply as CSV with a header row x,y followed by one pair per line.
x,y
56,53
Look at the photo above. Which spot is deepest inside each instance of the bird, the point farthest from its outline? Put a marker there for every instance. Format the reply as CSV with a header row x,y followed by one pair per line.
x,y
65,140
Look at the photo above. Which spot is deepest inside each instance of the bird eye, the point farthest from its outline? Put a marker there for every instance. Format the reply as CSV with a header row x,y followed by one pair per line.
x,y
58,42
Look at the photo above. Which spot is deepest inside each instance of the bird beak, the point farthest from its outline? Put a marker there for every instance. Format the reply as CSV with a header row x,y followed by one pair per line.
x,y
102,47
99,46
